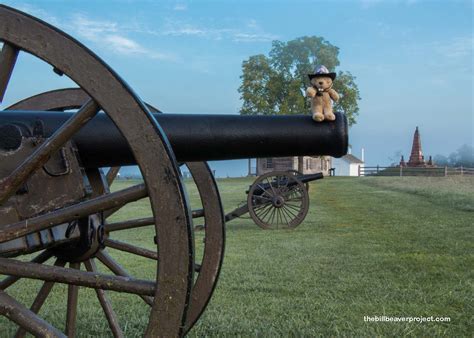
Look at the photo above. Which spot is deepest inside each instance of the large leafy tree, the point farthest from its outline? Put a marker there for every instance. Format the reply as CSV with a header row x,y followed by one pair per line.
x,y
275,84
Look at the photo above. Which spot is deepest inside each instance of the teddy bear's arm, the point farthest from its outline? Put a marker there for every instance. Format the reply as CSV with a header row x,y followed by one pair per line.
x,y
310,92
333,94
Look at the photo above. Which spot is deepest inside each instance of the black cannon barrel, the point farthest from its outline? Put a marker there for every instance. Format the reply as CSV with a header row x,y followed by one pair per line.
x,y
198,137
310,177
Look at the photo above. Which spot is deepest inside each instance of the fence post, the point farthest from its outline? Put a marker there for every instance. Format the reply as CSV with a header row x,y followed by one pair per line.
x,y
445,170
377,168
358,170
401,171
461,171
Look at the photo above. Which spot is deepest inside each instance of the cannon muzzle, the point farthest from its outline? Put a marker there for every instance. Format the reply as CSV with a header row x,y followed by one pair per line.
x,y
197,137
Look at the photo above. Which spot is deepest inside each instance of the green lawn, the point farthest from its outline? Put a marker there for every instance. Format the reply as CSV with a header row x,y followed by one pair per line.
x,y
368,247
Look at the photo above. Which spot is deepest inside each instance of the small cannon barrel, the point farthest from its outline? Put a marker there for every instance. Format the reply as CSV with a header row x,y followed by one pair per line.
x,y
310,177
197,137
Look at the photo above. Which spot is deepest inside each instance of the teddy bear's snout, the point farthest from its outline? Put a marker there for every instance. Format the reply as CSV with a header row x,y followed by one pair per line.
x,y
321,82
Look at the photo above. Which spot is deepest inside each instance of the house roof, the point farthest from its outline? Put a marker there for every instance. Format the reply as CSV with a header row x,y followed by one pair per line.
x,y
351,158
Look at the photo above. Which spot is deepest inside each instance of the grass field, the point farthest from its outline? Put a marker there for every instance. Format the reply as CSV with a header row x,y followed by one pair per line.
x,y
368,247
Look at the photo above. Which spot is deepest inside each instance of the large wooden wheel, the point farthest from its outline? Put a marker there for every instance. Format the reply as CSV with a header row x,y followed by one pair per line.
x,y
169,294
208,265
278,200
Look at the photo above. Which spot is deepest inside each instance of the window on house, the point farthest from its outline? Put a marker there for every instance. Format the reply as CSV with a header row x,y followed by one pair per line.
x,y
269,163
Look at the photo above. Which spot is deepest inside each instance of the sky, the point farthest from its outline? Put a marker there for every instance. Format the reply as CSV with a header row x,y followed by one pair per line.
x,y
413,60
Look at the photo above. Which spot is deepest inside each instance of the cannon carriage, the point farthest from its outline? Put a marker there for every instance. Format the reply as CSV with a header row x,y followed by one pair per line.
x,y
277,200
56,206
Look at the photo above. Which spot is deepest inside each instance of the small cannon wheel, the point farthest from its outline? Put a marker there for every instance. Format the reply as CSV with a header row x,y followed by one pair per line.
x,y
278,200
169,294
208,268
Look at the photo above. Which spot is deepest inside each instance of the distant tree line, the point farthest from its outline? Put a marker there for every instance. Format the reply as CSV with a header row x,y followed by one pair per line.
x,y
463,156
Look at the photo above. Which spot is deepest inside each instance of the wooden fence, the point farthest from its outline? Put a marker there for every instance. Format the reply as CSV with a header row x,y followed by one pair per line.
x,y
406,171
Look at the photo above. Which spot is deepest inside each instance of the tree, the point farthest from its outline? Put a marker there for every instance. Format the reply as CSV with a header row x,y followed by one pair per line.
x,y
440,160
395,158
276,84
463,156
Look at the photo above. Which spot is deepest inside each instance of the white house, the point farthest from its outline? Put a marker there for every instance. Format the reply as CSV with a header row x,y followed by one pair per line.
x,y
347,165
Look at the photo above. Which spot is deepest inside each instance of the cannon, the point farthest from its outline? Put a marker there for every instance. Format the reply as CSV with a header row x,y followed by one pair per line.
x,y
277,200
59,153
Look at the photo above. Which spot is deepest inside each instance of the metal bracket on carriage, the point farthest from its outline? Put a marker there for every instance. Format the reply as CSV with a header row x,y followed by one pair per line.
x,y
62,182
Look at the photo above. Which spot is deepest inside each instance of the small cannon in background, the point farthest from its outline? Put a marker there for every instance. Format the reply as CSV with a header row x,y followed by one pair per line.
x,y
277,199
56,203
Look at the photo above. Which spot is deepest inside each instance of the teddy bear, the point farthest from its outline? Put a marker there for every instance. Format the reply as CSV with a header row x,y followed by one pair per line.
x,y
321,94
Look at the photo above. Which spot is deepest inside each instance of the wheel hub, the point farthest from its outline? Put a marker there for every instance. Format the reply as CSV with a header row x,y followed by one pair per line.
x,y
90,241
278,201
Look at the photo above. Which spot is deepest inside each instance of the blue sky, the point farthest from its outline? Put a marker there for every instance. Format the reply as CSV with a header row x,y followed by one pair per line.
x,y
412,59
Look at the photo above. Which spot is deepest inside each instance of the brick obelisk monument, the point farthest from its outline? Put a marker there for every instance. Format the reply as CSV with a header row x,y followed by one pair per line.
x,y
416,156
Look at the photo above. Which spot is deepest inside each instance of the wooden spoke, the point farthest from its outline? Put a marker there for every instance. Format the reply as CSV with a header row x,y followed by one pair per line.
x,y
105,303
292,207
266,212
270,183
40,299
265,191
72,298
118,245
261,213
10,280
141,222
10,184
26,318
111,175
8,57
68,214
116,268
289,212
262,205
80,278
130,224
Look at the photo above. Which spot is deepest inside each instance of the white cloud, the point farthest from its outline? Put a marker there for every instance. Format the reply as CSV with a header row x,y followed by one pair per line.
x,y
250,32
448,51
106,34
180,7
456,48
110,35
38,13
184,29
91,29
123,45
245,37
366,4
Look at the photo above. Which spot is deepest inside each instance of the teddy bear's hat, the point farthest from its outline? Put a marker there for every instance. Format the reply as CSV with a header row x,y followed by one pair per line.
x,y
321,71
